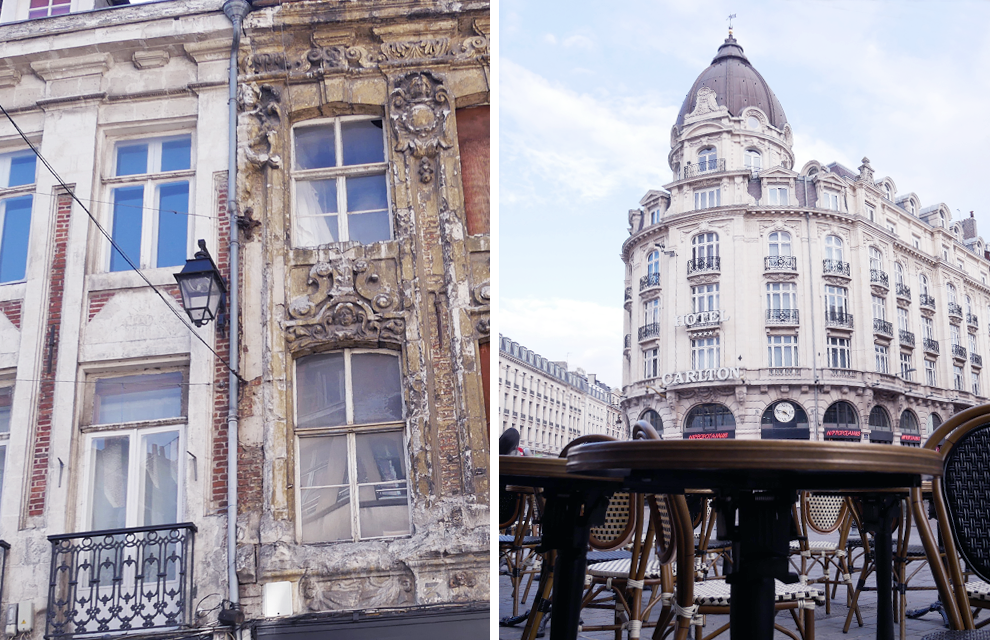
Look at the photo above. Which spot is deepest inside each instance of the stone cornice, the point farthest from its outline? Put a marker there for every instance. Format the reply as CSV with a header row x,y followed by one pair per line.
x,y
62,68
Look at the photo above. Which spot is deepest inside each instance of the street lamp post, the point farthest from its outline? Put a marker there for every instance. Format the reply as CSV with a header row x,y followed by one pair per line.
x,y
204,294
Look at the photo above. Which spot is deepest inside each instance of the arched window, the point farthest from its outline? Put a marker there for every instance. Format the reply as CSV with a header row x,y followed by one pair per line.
x,y
880,430
923,284
941,219
753,160
934,422
968,302
899,273
910,433
653,263
841,422
784,420
888,191
704,245
713,421
653,418
950,293
833,248
876,259
780,243
707,159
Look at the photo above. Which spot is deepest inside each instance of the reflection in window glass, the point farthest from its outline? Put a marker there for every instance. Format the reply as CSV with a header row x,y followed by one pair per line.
x,y
110,465
321,391
161,477
382,489
6,398
132,398
363,141
14,243
132,159
315,147
377,388
324,489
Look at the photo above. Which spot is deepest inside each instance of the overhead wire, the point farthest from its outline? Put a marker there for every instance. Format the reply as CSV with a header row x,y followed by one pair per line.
x,y
185,322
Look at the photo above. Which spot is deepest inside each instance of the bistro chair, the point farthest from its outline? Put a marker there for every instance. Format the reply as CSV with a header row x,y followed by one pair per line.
x,y
518,538
824,515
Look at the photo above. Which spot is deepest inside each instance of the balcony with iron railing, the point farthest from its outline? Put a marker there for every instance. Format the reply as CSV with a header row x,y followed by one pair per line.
x,y
926,300
836,318
976,360
649,280
782,316
137,579
704,265
883,328
959,351
704,167
972,320
780,263
628,295
931,346
906,338
627,341
902,291
650,330
879,278
835,268
955,311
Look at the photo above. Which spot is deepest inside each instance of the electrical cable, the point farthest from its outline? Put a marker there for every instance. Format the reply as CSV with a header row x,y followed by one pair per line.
x,y
185,322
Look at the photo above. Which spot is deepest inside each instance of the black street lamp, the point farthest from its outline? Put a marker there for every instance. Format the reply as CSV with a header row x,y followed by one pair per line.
x,y
204,294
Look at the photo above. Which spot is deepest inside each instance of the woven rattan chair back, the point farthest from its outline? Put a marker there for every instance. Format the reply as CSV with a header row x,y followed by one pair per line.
x,y
509,506
665,532
966,487
823,513
617,529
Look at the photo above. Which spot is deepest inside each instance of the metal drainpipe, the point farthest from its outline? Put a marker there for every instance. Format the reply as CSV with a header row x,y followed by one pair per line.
x,y
811,302
235,10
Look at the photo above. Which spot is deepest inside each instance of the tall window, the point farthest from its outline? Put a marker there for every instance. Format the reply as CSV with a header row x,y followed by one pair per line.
x,y
655,216
704,298
653,263
753,160
923,284
950,293
907,371
780,244
838,352
902,319
652,311
930,372
705,353
975,382
150,200
651,363
833,248
339,176
879,308
972,343
782,351
6,397
871,212
876,259
17,175
830,200
928,328
352,452
777,195
882,358
707,159
835,300
704,245
46,8
968,305
898,273
781,295
957,377
134,440
954,334
707,198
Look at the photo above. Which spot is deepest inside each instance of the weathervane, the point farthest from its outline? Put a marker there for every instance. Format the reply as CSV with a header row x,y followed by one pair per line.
x,y
731,16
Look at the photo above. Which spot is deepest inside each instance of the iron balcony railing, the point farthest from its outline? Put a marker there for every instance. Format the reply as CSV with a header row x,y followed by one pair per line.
x,y
959,351
112,580
836,318
906,337
835,267
926,300
782,316
976,359
700,265
879,277
972,320
780,263
902,290
628,296
955,309
883,327
649,330
704,167
649,280
627,341
931,346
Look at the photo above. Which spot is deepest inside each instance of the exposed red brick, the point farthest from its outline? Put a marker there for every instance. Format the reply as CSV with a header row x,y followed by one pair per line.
x,y
221,398
12,309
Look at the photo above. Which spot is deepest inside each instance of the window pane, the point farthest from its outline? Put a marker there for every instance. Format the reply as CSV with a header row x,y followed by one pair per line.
x,y
173,205
315,147
377,387
14,245
131,398
324,492
127,209
316,230
384,501
366,193
22,170
316,198
132,159
176,154
6,398
368,227
364,141
161,477
3,460
320,391
110,460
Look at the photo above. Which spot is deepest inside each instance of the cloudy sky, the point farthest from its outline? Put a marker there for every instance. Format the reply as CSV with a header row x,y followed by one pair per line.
x,y
588,93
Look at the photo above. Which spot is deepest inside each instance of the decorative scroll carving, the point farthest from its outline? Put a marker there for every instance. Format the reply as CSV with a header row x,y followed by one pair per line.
x,y
483,293
262,103
358,592
473,47
781,277
706,102
419,109
348,303
428,48
339,57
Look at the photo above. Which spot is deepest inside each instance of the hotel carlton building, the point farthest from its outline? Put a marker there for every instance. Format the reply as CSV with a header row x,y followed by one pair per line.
x,y
766,300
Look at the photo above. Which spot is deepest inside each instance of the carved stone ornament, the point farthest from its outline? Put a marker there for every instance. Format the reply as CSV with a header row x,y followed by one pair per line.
x,y
836,281
706,102
262,103
348,303
484,326
703,278
419,109
338,57
427,48
358,592
781,277
483,293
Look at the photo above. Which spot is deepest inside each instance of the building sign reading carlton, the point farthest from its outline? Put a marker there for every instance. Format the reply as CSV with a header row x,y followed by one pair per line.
x,y
701,375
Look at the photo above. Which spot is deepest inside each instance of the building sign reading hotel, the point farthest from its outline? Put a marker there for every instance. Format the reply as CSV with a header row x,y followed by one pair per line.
x,y
703,318
701,375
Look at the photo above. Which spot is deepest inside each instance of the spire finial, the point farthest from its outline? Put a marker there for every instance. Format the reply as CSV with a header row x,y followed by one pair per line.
x,y
731,16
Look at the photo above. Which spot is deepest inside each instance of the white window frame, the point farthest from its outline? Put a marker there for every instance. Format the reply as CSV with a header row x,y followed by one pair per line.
x,y
19,191
957,377
928,328
706,353
781,296
830,200
750,156
653,262
833,248
782,351
705,297
839,355
876,259
836,299
906,372
882,358
708,198
779,244
777,196
871,212
930,376
903,319
704,245
879,308
651,363
651,311
975,379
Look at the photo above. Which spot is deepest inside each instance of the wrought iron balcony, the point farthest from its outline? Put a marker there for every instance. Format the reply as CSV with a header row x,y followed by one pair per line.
x,y
926,300
836,318
955,310
835,267
972,320
704,167
701,265
780,263
120,579
976,360
883,327
879,277
649,280
931,346
906,338
959,351
902,290
782,316
628,295
627,341
649,330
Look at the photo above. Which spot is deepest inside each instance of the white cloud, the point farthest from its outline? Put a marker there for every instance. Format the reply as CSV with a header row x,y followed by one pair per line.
x,y
549,38
585,334
579,41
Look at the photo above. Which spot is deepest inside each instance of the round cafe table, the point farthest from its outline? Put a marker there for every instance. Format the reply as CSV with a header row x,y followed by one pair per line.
x,y
756,482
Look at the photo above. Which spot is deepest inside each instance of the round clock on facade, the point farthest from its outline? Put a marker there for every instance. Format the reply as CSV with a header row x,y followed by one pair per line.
x,y
784,412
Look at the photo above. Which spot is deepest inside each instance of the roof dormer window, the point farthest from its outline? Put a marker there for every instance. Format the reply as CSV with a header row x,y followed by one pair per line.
x,y
830,200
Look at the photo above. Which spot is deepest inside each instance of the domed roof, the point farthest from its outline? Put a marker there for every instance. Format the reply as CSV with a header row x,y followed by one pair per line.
x,y
736,84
